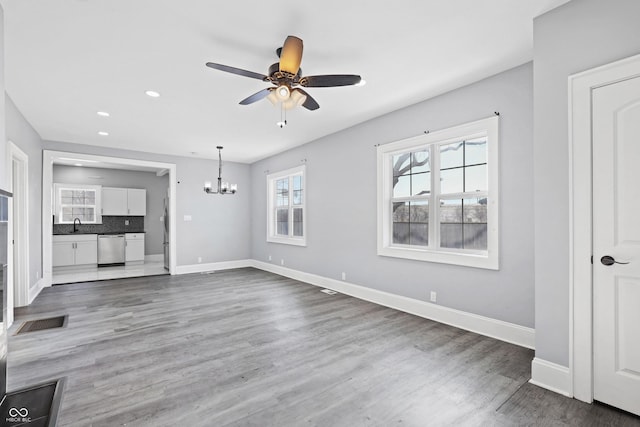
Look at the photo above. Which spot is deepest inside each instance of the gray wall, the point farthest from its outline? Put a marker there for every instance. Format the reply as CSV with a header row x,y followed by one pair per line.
x,y
156,187
20,132
218,230
341,203
575,37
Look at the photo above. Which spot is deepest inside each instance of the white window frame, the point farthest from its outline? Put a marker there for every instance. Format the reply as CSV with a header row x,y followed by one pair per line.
x,y
488,259
271,207
57,187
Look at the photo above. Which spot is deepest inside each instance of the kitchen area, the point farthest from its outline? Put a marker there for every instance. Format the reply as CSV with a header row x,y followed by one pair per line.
x,y
108,223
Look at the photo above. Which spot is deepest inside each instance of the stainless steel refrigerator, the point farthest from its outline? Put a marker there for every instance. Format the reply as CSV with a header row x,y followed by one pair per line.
x,y
165,221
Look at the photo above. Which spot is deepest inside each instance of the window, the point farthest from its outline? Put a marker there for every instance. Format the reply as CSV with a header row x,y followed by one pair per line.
x,y
77,201
286,207
438,196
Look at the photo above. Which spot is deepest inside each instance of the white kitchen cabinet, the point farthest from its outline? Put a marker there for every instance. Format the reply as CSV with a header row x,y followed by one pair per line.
x,y
79,249
64,253
124,201
134,247
114,201
136,201
87,252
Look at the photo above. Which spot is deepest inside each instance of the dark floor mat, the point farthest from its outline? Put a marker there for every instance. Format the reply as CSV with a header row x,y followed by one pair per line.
x,y
34,406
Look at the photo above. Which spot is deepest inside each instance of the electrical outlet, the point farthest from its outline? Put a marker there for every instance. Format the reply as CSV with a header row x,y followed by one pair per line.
x,y
344,276
269,257
433,296
199,259
281,262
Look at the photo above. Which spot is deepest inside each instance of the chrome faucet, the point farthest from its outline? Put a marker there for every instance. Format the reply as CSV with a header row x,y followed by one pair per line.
x,y
75,228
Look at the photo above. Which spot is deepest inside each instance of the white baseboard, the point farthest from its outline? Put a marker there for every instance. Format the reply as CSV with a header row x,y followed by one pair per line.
x,y
551,376
498,329
35,290
154,258
212,266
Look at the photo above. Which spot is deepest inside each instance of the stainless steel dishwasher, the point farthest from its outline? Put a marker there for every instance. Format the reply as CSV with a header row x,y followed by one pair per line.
x,y
110,249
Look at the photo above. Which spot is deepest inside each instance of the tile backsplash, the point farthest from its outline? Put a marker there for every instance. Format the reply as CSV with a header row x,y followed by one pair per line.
x,y
110,224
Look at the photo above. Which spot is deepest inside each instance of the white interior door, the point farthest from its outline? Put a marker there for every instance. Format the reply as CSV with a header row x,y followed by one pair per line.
x,y
616,234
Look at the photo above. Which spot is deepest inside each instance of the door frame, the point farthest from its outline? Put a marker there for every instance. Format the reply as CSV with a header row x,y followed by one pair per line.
x,y
20,227
48,158
581,86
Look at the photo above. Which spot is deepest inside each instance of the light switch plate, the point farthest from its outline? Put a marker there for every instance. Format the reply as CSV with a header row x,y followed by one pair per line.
x,y
187,217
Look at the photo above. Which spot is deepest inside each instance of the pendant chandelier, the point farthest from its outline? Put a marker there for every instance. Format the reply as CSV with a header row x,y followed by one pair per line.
x,y
223,187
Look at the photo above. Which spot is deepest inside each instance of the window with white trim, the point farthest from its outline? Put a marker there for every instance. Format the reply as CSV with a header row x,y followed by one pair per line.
x,y
286,200
438,196
77,201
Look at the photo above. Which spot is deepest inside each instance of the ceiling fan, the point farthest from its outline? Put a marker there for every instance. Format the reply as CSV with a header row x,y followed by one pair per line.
x,y
286,77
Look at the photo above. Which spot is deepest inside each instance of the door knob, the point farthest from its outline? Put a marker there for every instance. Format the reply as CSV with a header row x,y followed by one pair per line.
x,y
609,260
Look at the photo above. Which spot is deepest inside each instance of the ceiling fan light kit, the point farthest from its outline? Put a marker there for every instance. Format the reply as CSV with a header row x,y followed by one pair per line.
x,y
286,77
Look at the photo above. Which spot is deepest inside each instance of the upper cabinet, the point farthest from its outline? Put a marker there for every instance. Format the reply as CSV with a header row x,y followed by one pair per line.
x,y
114,201
137,201
124,201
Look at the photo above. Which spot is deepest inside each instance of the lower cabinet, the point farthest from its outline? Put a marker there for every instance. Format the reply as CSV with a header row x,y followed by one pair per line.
x,y
77,249
134,247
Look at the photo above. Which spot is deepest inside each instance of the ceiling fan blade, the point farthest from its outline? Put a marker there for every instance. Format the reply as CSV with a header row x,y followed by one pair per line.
x,y
257,96
291,55
238,71
330,80
309,103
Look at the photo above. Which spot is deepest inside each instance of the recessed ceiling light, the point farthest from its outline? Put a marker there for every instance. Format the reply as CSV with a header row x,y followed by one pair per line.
x,y
103,114
152,93
102,133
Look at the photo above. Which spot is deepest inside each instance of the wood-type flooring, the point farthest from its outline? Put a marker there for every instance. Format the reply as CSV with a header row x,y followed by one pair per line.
x,y
249,348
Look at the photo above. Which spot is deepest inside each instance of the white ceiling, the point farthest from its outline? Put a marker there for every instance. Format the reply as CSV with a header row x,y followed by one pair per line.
x,y
67,59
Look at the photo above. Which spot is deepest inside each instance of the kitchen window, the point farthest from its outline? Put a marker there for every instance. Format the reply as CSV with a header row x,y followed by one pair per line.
x,y
438,196
77,201
286,200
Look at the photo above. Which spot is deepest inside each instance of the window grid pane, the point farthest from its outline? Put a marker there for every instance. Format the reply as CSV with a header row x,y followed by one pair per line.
x,y
463,166
282,192
298,226
411,223
282,222
411,174
463,223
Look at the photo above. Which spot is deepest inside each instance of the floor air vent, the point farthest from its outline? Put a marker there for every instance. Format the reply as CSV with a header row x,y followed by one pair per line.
x,y
42,324
329,291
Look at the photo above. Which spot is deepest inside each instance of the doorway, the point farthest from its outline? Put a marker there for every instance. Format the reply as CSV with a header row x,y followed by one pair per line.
x,y
605,292
53,157
18,292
